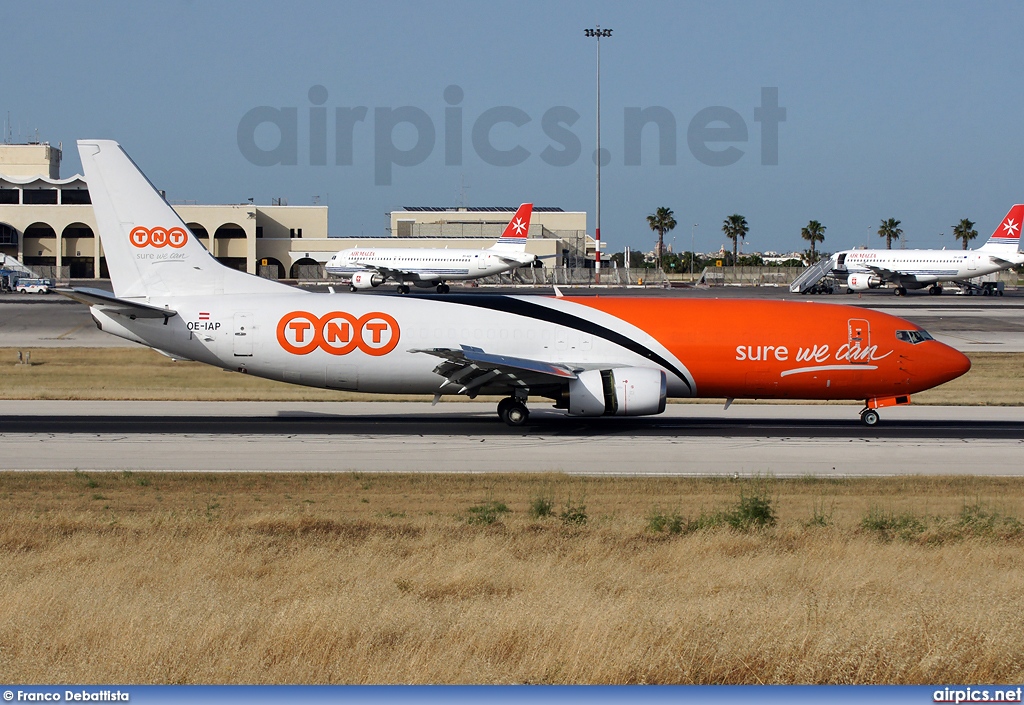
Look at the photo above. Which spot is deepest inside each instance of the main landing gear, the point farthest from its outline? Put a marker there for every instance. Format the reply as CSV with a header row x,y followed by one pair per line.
x,y
441,289
900,291
935,290
513,411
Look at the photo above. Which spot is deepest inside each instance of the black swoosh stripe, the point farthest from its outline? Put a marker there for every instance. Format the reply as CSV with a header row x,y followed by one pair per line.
x,y
528,309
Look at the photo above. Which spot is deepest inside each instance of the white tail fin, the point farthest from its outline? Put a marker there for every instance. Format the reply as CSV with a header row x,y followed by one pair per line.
x,y
149,250
513,239
1006,237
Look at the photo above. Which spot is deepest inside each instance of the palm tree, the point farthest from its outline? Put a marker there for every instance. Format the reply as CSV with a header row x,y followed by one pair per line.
x,y
815,232
964,230
661,222
890,230
735,228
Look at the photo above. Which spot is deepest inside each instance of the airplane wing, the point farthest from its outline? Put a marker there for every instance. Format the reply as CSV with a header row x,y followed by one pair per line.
x,y
887,274
398,275
471,368
111,304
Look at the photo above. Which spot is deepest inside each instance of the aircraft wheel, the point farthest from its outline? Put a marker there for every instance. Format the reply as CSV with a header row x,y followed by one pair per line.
x,y
869,417
503,406
516,414
443,288
403,289
900,291
352,288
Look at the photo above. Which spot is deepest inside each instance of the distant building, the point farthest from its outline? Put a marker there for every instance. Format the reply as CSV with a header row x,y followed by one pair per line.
x,y
48,223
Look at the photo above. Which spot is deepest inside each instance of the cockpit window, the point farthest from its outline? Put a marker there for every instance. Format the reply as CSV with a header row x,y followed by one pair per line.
x,y
913,336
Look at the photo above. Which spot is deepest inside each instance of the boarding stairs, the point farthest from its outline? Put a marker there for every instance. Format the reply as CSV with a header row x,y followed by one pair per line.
x,y
811,276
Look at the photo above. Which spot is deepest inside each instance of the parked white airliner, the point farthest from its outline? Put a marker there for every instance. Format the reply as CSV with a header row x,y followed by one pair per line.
x,y
916,269
590,355
433,267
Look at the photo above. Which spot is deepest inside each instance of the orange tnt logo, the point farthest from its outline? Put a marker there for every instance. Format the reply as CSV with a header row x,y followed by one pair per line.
x,y
158,237
338,333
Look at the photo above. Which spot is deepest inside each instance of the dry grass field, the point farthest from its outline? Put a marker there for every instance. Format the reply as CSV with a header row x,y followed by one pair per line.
x,y
996,379
271,578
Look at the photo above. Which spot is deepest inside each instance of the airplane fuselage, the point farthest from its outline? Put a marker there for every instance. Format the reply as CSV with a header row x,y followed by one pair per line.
x,y
427,265
919,268
738,349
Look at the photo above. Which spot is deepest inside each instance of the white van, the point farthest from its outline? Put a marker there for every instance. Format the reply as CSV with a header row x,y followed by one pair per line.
x,y
33,286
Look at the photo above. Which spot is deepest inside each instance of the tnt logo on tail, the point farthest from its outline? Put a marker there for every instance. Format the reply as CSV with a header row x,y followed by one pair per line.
x,y
158,237
1007,235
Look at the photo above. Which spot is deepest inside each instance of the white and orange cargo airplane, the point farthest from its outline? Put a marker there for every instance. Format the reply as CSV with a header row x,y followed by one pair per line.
x,y
370,267
592,356
916,269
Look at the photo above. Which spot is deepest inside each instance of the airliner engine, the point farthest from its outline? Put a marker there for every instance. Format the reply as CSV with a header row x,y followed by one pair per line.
x,y
620,391
366,280
862,282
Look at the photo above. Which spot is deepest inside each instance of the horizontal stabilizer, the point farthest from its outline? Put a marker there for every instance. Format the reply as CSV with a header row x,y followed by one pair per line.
x,y
111,304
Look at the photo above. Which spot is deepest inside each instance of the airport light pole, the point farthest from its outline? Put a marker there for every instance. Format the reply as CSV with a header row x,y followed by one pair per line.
x,y
597,33
692,253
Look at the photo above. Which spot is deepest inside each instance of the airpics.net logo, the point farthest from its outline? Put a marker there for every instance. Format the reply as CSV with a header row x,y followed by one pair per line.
x,y
716,136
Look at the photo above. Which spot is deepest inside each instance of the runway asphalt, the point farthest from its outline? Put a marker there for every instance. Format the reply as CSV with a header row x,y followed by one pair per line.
x,y
689,439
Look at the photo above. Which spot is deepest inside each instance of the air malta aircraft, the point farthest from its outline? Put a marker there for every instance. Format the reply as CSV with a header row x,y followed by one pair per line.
x,y
426,268
591,356
916,269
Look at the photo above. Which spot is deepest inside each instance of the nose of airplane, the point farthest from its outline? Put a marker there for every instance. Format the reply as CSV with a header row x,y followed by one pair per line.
x,y
946,363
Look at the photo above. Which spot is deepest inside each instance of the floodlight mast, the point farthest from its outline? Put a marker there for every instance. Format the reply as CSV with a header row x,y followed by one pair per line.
x,y
597,33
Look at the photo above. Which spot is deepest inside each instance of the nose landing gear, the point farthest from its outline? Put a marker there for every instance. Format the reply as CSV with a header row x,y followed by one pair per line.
x,y
869,417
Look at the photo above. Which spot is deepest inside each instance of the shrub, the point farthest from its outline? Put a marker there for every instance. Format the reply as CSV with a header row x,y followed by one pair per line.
x,y
754,511
978,519
541,507
573,514
889,525
659,521
487,513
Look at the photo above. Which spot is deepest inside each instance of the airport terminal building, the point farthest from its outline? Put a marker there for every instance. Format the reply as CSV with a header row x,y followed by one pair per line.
x,y
47,223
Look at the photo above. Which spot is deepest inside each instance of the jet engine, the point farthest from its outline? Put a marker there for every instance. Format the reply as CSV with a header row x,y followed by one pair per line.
x,y
863,282
621,391
366,280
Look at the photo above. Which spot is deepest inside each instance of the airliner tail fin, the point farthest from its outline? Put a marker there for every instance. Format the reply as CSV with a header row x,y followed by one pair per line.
x,y
513,239
148,248
1006,237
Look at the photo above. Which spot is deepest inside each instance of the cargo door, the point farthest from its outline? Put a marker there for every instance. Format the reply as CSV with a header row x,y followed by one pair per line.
x,y
859,339
243,338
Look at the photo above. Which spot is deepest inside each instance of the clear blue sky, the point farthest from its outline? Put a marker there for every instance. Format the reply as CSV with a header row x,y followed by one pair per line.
x,y
910,110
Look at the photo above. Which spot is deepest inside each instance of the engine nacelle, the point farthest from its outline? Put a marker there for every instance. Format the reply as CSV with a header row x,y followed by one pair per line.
x,y
366,280
621,391
862,282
